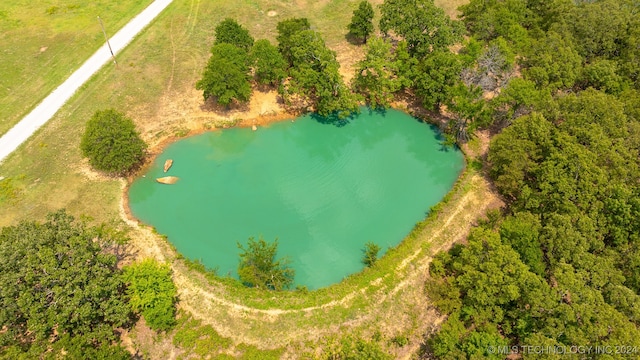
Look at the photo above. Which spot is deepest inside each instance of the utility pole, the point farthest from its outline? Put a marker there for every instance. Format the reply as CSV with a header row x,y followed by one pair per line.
x,y
107,39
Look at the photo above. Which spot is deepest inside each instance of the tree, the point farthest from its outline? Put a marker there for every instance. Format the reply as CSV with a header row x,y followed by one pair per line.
x,y
601,27
227,75
424,26
361,25
552,62
259,268
376,74
111,143
492,68
57,281
315,77
490,19
370,253
522,233
230,32
520,97
268,64
435,77
602,75
469,111
152,293
286,30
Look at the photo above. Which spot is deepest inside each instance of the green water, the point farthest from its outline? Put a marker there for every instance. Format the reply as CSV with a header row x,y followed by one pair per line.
x,y
322,190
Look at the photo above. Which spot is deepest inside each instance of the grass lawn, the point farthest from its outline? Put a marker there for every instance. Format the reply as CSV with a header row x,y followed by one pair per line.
x,y
43,42
154,85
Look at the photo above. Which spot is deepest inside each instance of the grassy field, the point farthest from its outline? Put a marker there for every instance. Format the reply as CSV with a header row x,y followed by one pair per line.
x,y
43,42
154,84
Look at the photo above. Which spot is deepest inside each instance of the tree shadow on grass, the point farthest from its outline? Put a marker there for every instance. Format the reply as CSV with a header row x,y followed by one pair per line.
x,y
354,40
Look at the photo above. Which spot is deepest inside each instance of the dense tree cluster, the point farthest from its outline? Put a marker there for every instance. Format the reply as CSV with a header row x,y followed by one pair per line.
x,y
560,266
61,291
304,69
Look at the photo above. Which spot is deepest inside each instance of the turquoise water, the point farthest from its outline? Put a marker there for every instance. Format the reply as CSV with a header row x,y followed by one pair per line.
x,y
322,190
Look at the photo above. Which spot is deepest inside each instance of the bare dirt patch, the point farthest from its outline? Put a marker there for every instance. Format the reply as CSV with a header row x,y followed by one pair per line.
x,y
184,113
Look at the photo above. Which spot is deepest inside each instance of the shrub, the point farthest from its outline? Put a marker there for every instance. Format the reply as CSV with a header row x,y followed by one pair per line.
x,y
152,293
259,267
370,253
112,143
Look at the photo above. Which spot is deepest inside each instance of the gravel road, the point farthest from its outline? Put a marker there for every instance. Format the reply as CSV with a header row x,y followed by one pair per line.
x,y
58,97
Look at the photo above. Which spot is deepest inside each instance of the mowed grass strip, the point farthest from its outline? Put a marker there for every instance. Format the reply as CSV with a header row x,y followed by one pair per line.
x,y
43,42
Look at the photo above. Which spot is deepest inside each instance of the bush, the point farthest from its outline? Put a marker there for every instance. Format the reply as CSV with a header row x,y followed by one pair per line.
x,y
152,293
112,143
370,253
259,267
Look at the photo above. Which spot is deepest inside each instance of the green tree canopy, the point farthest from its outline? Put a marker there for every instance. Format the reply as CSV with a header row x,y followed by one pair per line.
x,y
469,110
268,64
259,268
361,25
58,281
602,75
315,77
111,143
424,26
286,30
552,62
601,28
230,32
376,75
226,76
436,76
520,97
152,293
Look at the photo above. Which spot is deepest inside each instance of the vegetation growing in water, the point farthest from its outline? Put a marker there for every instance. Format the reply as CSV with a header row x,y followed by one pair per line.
x,y
520,25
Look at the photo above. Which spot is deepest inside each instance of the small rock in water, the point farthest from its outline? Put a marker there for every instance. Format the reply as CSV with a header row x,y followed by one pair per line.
x,y
254,128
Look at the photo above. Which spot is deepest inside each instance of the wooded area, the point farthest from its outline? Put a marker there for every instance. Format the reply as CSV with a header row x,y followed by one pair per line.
x,y
560,265
556,81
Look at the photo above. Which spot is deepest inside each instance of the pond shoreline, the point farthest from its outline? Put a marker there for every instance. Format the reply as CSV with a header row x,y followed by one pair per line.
x,y
375,128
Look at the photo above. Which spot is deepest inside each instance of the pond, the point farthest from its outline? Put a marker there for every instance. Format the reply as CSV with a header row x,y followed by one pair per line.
x,y
322,190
